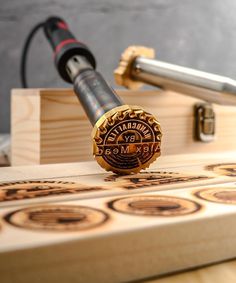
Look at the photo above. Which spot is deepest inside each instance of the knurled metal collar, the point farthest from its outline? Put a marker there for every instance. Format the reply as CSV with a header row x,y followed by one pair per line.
x,y
123,72
126,139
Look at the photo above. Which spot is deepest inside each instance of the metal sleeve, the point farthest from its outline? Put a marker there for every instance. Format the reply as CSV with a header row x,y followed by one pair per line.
x,y
95,95
202,85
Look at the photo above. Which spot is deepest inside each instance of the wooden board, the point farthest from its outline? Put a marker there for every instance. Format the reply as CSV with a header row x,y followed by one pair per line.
x,y
88,180
75,222
50,125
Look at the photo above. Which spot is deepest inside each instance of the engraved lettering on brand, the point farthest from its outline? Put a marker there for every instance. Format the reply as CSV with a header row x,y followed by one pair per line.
x,y
128,126
127,141
131,148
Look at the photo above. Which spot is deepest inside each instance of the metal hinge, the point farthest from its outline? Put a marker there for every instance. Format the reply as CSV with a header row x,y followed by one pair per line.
x,y
204,122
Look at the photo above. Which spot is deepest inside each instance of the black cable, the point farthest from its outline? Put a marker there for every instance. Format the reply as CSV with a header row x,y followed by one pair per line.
x,y
25,53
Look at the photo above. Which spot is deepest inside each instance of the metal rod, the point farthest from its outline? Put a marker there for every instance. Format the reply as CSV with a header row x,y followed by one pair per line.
x,y
95,95
202,85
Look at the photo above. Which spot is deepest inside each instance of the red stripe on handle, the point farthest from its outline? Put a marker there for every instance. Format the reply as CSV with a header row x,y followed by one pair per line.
x,y
63,43
62,25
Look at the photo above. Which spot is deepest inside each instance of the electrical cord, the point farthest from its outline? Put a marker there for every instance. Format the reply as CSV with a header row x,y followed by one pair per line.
x,y
24,54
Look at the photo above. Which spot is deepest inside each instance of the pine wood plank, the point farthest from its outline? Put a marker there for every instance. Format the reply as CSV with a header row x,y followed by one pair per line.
x,y
126,247
47,183
124,234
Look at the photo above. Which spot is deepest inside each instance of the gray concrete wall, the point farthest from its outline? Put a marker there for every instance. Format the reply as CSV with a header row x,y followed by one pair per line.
x,y
199,34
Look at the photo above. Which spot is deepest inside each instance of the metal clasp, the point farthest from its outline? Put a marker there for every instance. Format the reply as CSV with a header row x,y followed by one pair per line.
x,y
204,122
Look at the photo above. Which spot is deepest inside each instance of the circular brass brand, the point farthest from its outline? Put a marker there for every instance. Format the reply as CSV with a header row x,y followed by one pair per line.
x,y
226,169
221,195
123,73
126,139
57,218
34,189
154,206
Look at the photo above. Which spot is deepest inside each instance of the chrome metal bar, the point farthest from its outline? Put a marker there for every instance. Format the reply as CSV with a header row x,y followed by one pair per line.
x,y
202,85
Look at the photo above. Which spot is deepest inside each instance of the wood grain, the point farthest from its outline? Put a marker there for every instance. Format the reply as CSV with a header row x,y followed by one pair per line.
x,y
149,231
91,181
50,126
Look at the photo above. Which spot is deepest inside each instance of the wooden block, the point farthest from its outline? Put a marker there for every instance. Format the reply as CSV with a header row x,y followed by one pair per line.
x,y
51,126
125,228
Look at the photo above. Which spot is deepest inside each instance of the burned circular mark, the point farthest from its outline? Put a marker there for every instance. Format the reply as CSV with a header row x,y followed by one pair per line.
x,y
221,195
154,206
57,218
225,169
153,178
34,189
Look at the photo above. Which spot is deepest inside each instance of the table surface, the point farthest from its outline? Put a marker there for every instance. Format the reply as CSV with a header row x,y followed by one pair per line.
x,y
218,273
